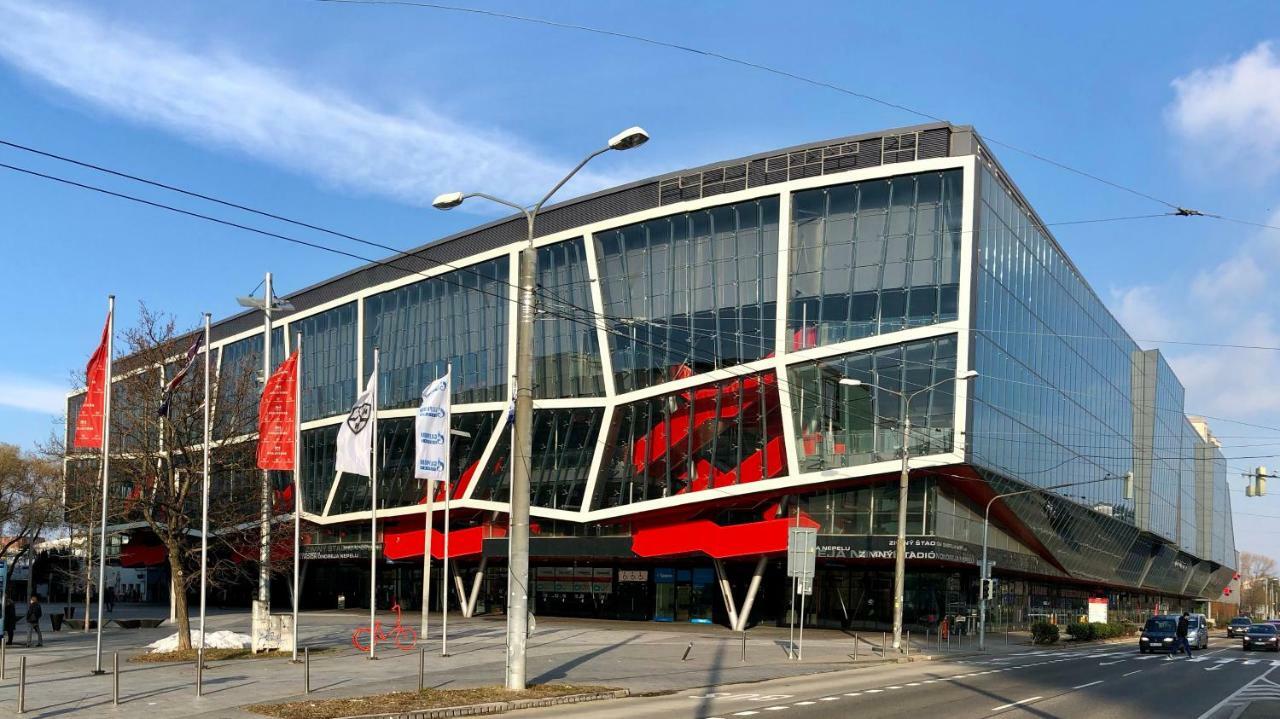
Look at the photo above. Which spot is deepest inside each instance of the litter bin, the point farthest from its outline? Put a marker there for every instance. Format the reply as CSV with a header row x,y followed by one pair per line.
x,y
55,618
342,601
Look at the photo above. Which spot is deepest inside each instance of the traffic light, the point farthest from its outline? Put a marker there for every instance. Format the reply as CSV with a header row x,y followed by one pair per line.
x,y
1257,488
989,589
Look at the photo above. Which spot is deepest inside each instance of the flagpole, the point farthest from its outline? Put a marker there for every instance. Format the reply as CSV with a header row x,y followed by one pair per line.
x,y
204,491
373,514
106,468
297,493
426,556
444,562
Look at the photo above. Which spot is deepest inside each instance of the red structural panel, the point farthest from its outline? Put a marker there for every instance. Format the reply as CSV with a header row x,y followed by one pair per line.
x,y
706,537
405,542
135,554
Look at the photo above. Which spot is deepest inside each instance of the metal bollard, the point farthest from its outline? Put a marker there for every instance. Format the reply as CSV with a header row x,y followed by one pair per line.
x,y
744,646
855,646
906,646
4,666
22,685
1006,634
422,669
306,670
199,671
115,678
686,652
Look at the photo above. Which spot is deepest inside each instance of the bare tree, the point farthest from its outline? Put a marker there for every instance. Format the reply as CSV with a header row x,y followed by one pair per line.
x,y
1255,569
29,489
156,465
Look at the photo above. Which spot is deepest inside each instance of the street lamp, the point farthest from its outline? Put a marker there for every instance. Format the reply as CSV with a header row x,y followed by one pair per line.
x,y
900,550
269,304
518,530
985,570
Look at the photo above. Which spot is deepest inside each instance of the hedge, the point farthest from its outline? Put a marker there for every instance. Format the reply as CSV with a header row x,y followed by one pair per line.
x,y
1044,633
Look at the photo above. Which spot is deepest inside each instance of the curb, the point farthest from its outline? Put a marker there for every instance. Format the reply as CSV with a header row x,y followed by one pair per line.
x,y
496,707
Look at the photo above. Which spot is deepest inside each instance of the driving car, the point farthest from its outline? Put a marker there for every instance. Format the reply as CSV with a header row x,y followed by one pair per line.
x,y
1262,636
1238,627
1158,634
1198,631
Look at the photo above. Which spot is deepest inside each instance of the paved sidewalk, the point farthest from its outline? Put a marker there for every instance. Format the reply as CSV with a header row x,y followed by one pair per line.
x,y
640,656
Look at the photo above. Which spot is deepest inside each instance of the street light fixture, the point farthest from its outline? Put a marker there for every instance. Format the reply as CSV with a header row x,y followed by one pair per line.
x,y
900,549
518,530
985,569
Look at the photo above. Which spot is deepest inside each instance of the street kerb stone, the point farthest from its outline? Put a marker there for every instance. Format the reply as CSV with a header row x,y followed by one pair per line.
x,y
496,707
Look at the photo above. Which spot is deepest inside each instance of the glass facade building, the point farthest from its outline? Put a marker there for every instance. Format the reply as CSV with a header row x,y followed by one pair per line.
x,y
725,350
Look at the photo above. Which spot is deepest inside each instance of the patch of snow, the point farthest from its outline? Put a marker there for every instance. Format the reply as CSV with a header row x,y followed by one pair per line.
x,y
213,640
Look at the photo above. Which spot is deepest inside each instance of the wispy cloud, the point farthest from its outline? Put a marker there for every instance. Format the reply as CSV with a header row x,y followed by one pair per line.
x,y
224,99
1230,113
32,395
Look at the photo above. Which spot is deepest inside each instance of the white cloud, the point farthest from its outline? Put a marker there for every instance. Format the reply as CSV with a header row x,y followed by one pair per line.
x,y
267,113
1141,312
1230,113
32,395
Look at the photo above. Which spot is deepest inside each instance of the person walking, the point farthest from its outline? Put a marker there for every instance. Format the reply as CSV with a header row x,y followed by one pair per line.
x,y
111,599
34,612
10,619
1184,623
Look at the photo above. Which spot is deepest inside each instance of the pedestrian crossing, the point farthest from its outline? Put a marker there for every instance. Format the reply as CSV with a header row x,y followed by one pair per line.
x,y
1111,657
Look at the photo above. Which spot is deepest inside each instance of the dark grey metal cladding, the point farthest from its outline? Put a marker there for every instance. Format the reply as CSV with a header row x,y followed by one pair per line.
x,y
812,159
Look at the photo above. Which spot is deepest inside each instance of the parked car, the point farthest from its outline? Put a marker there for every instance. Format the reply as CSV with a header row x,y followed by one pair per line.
x,y
1198,631
1238,627
1262,636
1158,634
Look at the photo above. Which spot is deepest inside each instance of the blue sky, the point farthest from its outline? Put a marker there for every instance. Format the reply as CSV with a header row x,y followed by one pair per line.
x,y
354,116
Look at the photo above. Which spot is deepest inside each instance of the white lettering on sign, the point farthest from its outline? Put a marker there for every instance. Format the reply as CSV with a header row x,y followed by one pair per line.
x,y
633,575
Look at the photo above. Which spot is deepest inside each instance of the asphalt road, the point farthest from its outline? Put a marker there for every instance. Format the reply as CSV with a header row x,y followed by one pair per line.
x,y
1103,682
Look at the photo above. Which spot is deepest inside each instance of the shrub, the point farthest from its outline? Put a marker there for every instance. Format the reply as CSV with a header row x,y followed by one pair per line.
x,y
1044,633
1082,632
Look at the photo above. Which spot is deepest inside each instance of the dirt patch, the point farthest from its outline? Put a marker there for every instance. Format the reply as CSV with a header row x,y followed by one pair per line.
x,y
413,701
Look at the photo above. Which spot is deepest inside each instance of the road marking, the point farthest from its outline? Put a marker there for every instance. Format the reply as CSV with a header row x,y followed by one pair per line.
x,y
829,699
1107,664
898,687
777,708
804,704
1082,686
853,694
1235,694
747,713
1021,701
1135,671
874,691
914,684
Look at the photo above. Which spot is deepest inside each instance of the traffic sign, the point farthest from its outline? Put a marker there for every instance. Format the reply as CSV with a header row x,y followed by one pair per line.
x,y
802,552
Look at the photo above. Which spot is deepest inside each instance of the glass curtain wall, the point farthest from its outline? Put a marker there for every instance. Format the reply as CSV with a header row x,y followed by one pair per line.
x,y
458,318
874,257
328,361
564,442
844,426
689,293
239,376
565,347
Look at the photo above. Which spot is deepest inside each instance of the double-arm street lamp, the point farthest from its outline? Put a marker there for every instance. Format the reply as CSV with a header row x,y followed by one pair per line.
x,y
985,569
518,532
900,550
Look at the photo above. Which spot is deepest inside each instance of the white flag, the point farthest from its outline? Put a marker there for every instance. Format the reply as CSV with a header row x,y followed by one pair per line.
x,y
355,437
431,457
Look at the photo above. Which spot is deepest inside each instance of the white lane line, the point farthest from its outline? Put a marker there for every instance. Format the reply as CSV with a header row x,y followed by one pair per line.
x,y
745,713
897,687
1020,701
1235,694
777,708
914,684
1135,671
1107,664
853,694
804,704
874,691
1082,686
829,699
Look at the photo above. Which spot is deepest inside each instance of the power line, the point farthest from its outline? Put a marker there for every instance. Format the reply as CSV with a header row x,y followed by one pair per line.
x,y
761,68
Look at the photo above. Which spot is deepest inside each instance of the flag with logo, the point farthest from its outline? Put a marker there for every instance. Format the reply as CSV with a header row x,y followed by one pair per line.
x,y
355,436
277,413
192,353
89,419
431,457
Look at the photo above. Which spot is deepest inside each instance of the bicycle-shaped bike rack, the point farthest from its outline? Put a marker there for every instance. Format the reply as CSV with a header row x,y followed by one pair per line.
x,y
403,637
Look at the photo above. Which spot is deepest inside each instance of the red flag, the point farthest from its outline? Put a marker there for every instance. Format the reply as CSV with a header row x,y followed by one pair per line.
x,y
277,414
89,420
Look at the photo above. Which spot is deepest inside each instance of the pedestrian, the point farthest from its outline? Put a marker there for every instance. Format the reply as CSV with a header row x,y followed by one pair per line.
x,y
111,599
1181,644
34,612
10,619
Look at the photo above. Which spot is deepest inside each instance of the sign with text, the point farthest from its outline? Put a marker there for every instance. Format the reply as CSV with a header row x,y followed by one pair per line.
x,y
802,551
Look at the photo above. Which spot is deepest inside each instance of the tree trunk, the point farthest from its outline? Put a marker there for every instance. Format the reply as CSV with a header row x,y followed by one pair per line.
x,y
88,572
179,593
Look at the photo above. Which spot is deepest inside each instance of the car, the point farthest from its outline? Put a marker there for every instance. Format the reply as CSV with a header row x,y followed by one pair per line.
x,y
1198,631
1262,636
1159,634
1238,627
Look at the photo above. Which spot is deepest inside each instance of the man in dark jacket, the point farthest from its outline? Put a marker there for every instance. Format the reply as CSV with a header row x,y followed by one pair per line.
x,y
34,612
10,619
1184,623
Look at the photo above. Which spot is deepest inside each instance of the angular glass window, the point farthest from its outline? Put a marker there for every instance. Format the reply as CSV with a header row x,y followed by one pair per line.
x,y
564,442
565,346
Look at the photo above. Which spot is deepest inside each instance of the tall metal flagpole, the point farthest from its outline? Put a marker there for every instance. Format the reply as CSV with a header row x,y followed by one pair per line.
x,y
204,489
426,557
373,513
106,470
444,571
297,493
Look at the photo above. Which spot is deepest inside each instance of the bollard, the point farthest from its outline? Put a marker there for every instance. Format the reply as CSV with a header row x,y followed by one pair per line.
x,y
884,642
4,666
1006,634
199,671
744,646
686,652
422,669
306,670
855,646
115,678
22,685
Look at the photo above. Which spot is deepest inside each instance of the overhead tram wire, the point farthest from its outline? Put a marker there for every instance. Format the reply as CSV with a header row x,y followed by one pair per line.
x,y
390,263
822,84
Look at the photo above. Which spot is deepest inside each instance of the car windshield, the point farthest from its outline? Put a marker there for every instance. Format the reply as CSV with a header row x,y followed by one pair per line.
x,y
1193,622
1241,621
1262,629
1161,625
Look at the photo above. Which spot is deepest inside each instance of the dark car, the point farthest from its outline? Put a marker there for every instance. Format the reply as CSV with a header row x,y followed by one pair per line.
x,y
1159,634
1262,636
1238,626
